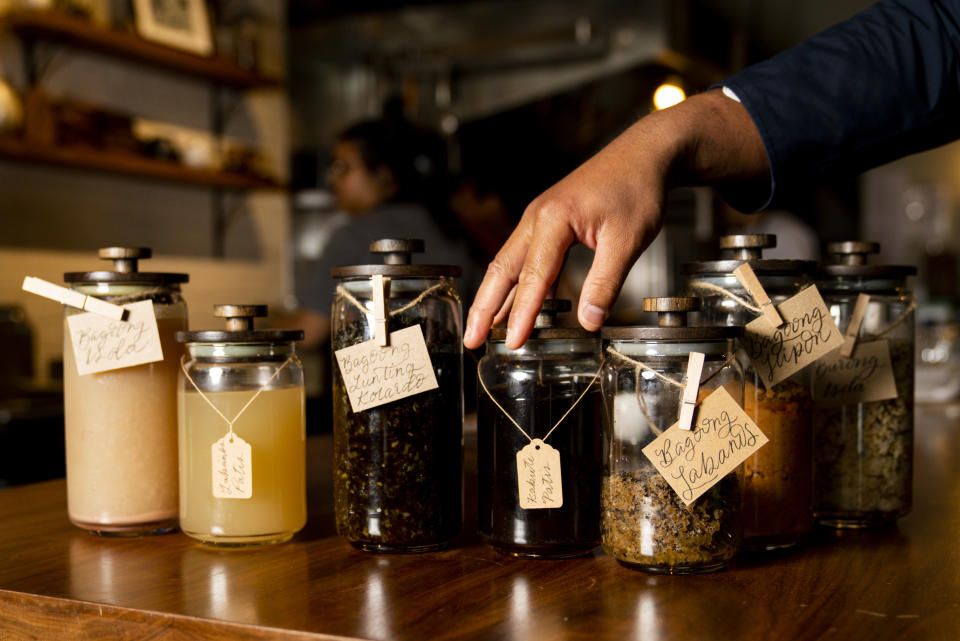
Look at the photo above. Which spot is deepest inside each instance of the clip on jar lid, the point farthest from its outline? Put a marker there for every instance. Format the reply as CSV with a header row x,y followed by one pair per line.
x,y
125,269
240,328
849,258
748,248
544,328
396,262
671,324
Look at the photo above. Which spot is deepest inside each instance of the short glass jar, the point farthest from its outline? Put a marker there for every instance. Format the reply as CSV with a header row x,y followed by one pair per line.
x,y
645,524
863,452
121,424
546,390
242,386
398,465
778,478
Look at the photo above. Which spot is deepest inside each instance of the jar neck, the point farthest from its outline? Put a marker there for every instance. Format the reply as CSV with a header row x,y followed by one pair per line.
x,y
533,348
241,352
879,286
713,350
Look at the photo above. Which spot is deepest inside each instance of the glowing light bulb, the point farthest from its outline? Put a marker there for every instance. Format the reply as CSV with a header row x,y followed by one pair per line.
x,y
667,95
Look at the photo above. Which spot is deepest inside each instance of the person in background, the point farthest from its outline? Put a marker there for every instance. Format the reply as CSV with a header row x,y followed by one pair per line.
x,y
879,86
384,174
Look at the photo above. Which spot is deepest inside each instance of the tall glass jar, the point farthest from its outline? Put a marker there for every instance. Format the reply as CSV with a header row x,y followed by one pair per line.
x,y
544,392
778,478
397,464
645,524
121,425
864,451
242,388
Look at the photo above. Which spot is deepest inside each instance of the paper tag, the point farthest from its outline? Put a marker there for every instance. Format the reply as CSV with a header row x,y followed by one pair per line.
x,y
375,375
101,344
866,376
232,470
723,437
751,283
688,402
538,476
807,334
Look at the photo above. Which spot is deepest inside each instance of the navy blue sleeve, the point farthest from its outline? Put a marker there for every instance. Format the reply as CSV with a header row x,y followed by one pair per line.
x,y
882,85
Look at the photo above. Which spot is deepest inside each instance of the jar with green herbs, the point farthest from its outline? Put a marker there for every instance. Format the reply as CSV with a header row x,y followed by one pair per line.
x,y
397,402
778,479
645,524
538,401
863,451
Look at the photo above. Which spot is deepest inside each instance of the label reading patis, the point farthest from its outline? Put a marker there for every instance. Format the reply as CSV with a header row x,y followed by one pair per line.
x,y
808,332
232,460
538,476
101,344
375,375
865,376
723,436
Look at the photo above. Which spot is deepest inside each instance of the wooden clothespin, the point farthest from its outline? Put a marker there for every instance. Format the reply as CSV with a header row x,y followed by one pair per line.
x,y
853,327
73,298
381,315
751,283
688,403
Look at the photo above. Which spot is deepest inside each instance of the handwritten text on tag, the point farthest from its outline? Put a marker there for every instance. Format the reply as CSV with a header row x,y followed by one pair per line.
x,y
866,376
723,437
232,460
538,476
101,344
375,375
807,334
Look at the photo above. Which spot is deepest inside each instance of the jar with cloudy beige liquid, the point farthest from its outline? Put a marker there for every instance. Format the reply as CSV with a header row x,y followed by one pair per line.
x,y
121,424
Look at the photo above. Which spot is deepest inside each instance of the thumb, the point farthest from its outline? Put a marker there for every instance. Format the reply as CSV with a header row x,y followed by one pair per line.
x,y
612,261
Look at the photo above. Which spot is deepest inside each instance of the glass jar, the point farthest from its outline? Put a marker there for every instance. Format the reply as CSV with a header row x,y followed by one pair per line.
x,y
864,451
645,524
778,478
549,387
121,424
397,465
242,387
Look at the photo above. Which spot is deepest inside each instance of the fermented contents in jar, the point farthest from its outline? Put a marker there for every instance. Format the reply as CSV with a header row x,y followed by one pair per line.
x,y
121,441
273,425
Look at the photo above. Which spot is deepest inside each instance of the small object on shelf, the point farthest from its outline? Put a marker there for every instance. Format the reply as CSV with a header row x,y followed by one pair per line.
x,y
182,24
241,432
11,108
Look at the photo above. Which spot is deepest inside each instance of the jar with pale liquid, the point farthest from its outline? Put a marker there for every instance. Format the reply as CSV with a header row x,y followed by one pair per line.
x,y
242,433
121,424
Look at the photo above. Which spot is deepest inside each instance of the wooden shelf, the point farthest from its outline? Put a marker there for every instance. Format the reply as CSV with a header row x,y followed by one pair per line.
x,y
129,164
59,27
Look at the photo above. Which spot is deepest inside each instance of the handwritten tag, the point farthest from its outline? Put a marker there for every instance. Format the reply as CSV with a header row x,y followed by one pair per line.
x,y
538,476
232,460
864,377
375,375
723,437
808,332
101,344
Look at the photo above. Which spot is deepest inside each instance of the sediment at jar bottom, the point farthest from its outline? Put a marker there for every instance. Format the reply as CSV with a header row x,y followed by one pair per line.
x,y
647,526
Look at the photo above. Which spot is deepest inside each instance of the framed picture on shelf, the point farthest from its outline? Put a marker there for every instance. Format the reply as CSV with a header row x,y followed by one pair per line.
x,y
182,24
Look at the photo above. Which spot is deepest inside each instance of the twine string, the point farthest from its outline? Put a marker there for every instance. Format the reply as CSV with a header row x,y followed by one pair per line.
x,y
716,289
342,291
183,366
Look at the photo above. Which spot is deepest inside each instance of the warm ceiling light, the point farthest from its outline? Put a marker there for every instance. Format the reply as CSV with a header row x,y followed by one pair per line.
x,y
667,95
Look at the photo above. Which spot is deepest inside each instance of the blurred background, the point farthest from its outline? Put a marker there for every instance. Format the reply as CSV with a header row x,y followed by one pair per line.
x,y
208,130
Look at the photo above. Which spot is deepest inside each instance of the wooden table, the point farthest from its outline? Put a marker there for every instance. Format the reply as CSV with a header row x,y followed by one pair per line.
x,y
901,582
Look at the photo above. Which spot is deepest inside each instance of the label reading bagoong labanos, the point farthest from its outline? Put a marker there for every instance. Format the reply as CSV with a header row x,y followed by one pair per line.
x,y
808,332
232,460
538,476
865,376
375,375
723,436
101,344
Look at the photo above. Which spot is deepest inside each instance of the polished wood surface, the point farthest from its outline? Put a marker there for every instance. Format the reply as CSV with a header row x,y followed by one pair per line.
x,y
901,582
